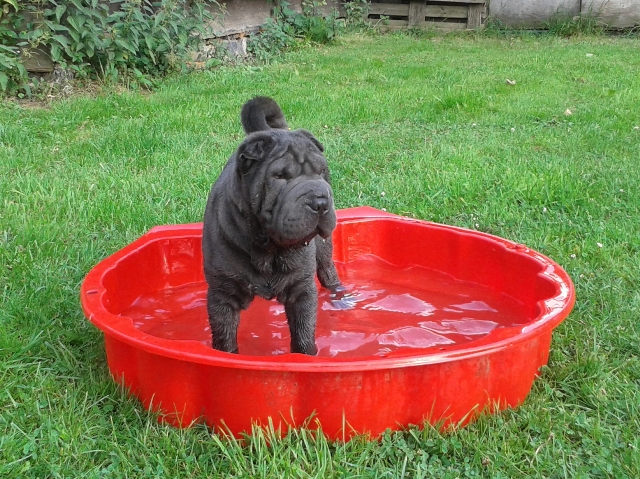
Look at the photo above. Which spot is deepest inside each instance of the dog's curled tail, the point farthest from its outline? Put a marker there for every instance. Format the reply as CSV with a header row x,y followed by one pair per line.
x,y
262,113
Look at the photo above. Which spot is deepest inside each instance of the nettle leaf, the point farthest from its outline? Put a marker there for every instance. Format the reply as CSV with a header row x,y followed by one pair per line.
x,y
61,40
213,62
150,43
9,34
139,16
160,17
55,53
115,16
60,9
8,49
55,27
74,23
4,81
125,44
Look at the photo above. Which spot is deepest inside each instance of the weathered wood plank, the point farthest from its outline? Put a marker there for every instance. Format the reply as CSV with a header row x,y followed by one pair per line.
x,y
613,13
416,13
457,1
239,16
36,61
447,11
387,1
431,11
403,24
475,16
396,9
390,24
445,26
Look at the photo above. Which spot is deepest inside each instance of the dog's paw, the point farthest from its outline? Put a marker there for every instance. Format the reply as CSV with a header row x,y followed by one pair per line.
x,y
338,291
310,350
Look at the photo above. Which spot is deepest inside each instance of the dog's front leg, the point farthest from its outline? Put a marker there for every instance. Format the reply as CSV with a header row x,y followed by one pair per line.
x,y
224,318
326,269
300,305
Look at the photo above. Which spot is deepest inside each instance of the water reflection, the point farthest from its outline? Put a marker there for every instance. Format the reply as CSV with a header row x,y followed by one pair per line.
x,y
371,316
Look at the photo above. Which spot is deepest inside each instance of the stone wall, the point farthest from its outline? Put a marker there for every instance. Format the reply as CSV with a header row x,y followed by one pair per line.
x,y
241,16
535,13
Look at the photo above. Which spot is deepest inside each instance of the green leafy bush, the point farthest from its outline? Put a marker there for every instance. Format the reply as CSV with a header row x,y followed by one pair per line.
x,y
356,11
12,73
287,27
137,37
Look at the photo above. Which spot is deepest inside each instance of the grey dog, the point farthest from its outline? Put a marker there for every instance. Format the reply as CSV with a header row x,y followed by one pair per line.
x,y
267,228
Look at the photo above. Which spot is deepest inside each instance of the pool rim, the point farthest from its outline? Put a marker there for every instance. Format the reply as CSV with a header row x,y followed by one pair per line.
x,y
122,328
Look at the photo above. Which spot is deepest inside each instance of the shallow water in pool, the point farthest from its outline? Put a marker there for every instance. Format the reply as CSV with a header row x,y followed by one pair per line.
x,y
384,308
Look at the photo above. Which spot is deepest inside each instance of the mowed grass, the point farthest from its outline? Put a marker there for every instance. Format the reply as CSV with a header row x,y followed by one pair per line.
x,y
433,124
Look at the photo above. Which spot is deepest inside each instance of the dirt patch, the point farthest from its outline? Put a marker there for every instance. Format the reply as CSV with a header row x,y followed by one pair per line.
x,y
50,88
31,104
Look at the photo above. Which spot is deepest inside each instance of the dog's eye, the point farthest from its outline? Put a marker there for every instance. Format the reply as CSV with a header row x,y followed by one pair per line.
x,y
280,176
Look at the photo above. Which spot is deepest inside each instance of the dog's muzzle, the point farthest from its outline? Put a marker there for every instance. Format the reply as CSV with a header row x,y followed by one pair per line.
x,y
319,203
302,213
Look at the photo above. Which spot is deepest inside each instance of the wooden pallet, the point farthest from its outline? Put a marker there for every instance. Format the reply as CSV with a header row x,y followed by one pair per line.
x,y
444,15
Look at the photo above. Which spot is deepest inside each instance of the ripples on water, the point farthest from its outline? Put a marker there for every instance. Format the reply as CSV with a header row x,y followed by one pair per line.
x,y
384,308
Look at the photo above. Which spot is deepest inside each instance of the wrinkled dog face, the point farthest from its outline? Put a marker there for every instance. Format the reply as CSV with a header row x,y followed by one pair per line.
x,y
285,179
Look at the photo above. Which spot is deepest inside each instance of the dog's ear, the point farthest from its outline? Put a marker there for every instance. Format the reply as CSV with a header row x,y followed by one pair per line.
x,y
255,148
313,139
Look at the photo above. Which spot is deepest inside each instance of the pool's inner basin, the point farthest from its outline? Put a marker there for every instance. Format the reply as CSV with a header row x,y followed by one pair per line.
x,y
385,308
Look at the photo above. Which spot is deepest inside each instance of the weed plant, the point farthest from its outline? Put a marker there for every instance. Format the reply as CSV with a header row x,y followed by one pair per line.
x,y
136,38
563,26
549,160
288,28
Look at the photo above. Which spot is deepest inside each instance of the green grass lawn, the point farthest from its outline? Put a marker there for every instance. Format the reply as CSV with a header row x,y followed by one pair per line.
x,y
433,124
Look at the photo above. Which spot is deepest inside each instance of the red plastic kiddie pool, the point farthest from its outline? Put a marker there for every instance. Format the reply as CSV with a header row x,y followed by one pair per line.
x,y
438,324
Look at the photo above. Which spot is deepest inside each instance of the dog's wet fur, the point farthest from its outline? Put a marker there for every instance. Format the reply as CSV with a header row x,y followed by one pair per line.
x,y
267,228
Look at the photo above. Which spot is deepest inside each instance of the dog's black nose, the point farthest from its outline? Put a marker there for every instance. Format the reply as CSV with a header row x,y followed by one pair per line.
x,y
319,204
